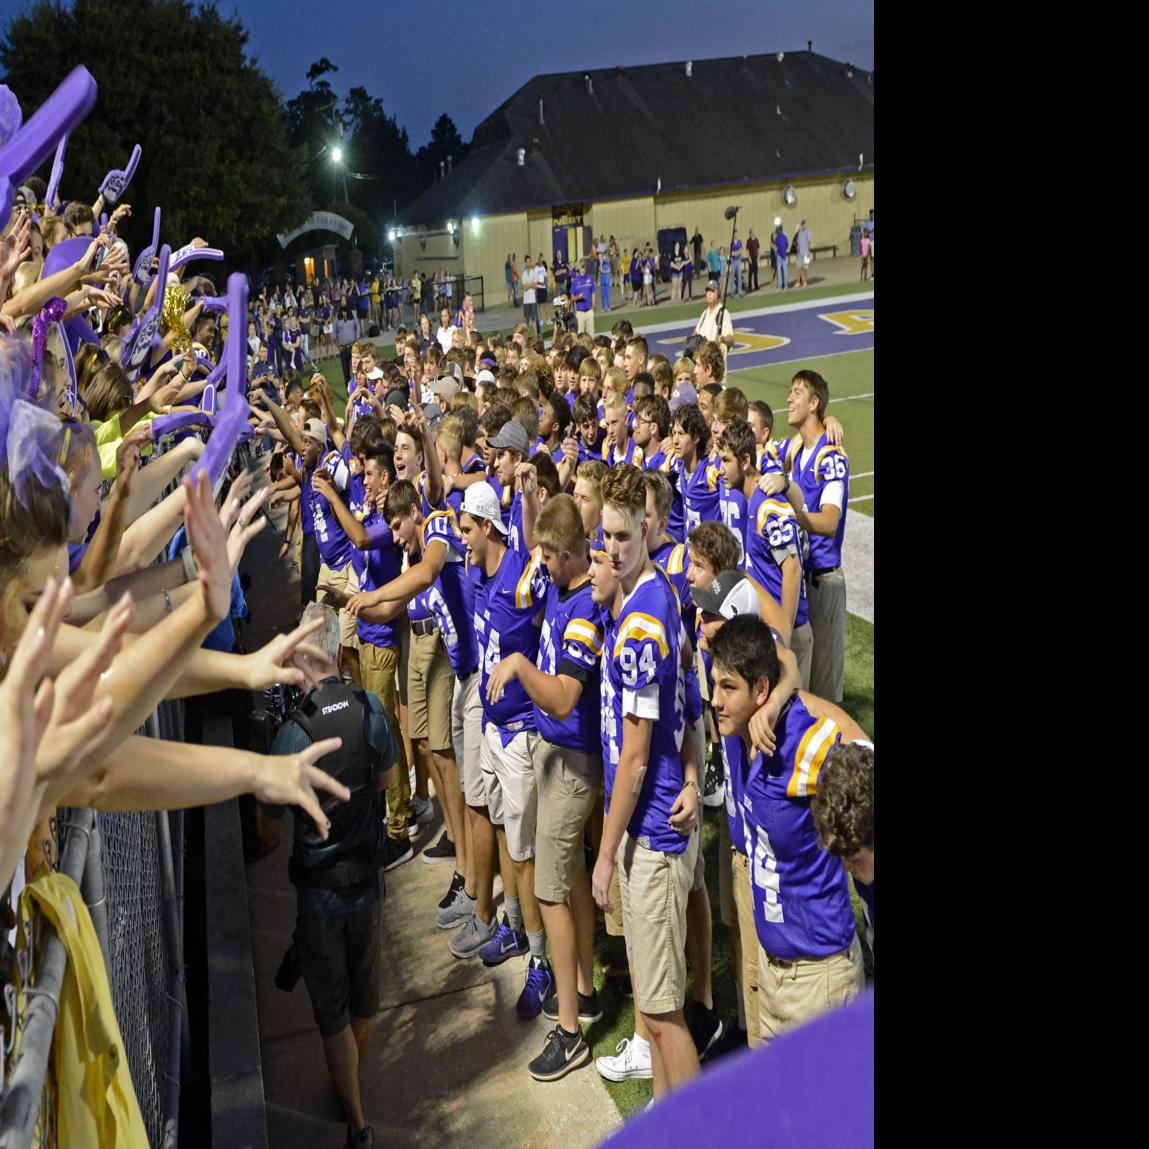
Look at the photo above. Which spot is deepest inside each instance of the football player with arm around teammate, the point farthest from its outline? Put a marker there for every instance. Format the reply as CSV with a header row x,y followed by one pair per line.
x,y
437,574
508,598
818,490
810,958
651,785
563,684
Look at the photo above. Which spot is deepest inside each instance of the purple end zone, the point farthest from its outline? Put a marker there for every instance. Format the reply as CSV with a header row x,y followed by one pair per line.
x,y
808,334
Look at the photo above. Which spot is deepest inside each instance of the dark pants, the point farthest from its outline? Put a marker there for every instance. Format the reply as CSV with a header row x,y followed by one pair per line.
x,y
688,284
308,569
340,961
345,359
753,276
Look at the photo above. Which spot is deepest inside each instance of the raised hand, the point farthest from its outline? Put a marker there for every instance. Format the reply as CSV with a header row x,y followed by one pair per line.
x,y
234,501
247,526
771,484
207,537
291,780
16,247
277,661
72,737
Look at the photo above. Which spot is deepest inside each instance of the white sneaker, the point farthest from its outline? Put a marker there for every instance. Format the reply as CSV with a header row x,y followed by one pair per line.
x,y
424,810
629,1063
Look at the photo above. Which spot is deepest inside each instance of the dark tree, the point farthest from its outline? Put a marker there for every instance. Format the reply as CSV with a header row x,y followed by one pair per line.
x,y
445,141
177,80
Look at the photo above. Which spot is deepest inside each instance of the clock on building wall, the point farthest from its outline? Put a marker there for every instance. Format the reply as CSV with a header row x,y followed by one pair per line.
x,y
789,195
848,189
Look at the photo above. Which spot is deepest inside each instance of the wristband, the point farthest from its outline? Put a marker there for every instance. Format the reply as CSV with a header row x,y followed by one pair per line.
x,y
191,572
691,782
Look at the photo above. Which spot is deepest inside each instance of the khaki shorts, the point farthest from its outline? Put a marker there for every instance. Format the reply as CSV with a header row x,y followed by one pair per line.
x,y
379,666
748,937
791,995
429,685
655,887
347,581
802,644
467,734
827,599
567,782
726,911
509,780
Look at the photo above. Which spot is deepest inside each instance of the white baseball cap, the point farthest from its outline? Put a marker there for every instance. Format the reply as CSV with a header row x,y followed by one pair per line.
x,y
481,502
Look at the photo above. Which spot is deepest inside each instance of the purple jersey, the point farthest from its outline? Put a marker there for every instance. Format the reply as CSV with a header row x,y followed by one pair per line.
x,y
642,676
506,604
474,465
571,644
801,893
699,494
632,455
813,471
672,559
452,598
772,538
334,546
376,567
733,509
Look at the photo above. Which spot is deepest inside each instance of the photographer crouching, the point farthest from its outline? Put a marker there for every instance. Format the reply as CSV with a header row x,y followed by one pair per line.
x,y
338,892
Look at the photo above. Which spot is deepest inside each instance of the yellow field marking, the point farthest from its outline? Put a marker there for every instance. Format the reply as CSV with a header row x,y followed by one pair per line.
x,y
860,322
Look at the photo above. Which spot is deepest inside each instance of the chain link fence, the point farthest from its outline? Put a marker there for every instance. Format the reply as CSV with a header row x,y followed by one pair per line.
x,y
131,879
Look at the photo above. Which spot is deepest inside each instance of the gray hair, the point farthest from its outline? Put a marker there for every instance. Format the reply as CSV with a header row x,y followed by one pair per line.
x,y
326,638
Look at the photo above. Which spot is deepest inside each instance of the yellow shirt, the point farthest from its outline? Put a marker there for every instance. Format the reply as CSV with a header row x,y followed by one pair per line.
x,y
96,1102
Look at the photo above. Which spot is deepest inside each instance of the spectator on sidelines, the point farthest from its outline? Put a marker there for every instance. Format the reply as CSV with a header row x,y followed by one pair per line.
x,y
753,248
782,247
707,325
582,292
802,243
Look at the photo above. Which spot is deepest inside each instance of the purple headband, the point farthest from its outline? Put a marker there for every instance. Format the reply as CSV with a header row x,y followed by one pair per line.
x,y
115,181
49,314
29,435
31,144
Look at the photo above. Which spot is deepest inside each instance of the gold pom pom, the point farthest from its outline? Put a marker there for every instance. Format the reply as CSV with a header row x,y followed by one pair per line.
x,y
176,302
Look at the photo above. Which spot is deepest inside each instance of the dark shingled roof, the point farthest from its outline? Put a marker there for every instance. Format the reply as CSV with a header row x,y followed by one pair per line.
x,y
747,120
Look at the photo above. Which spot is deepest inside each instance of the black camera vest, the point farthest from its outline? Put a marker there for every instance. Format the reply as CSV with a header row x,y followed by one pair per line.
x,y
349,859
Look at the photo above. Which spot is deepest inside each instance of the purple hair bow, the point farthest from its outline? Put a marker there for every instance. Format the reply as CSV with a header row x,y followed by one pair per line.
x,y
52,312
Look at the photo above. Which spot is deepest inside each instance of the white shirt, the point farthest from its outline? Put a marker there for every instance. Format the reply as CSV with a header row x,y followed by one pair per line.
x,y
444,336
529,284
708,326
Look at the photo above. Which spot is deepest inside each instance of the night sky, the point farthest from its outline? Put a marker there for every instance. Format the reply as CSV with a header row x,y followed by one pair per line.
x,y
471,58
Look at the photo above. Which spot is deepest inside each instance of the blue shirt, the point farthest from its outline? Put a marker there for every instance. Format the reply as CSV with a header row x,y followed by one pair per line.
x,y
801,894
582,284
782,246
824,464
642,675
334,546
376,567
571,643
452,598
699,494
772,538
506,604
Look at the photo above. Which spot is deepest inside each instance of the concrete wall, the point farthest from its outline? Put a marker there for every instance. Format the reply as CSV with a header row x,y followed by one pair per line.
x,y
637,221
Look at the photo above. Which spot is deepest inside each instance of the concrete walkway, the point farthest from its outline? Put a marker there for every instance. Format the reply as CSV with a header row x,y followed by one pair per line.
x,y
447,1061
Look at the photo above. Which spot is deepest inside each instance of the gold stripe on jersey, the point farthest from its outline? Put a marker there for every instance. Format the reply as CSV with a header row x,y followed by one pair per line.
x,y
584,631
523,595
773,506
812,750
642,626
828,449
676,560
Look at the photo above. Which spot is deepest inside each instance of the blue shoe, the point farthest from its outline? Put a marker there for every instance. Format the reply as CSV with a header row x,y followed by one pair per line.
x,y
507,943
538,988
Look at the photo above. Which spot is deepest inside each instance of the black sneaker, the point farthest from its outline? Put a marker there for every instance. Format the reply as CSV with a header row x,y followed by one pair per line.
x,y
562,1053
396,851
457,883
589,1010
731,1041
714,789
705,1027
357,1140
442,851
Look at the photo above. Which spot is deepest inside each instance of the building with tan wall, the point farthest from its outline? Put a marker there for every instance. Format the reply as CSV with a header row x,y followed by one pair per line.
x,y
632,152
